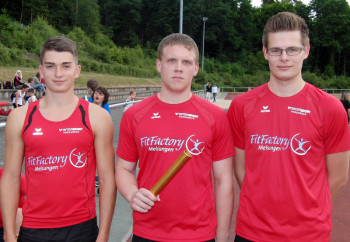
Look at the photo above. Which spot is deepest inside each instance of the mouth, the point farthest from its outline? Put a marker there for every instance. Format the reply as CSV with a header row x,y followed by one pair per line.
x,y
284,68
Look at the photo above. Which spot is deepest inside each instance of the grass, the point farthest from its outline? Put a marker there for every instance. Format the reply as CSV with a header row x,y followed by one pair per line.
x,y
8,73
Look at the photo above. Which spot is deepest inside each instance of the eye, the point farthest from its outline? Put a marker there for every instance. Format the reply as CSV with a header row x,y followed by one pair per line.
x,y
293,49
186,62
275,50
66,66
171,60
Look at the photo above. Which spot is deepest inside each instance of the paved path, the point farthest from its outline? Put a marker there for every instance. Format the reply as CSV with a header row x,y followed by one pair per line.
x,y
122,219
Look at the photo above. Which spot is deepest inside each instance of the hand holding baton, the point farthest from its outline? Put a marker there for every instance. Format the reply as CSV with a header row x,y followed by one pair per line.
x,y
171,172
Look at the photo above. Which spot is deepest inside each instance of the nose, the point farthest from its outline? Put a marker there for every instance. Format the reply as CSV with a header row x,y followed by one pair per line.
x,y
284,55
178,66
58,71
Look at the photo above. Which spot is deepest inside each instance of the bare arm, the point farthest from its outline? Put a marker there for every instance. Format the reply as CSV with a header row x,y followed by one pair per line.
x,y
239,166
223,185
338,169
140,200
16,98
11,178
103,130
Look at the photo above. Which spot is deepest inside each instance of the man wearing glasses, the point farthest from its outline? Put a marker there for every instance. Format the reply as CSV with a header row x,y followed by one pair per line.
x,y
292,145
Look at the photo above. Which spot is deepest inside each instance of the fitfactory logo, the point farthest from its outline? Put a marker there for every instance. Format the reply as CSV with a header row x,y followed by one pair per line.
x,y
301,149
194,146
75,159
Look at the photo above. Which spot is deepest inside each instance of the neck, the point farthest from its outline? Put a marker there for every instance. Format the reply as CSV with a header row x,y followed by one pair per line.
x,y
286,88
174,98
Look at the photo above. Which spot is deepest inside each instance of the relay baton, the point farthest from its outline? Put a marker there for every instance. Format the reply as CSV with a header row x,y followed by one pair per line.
x,y
171,172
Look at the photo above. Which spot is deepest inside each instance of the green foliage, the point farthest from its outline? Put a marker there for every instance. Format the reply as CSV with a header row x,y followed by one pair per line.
x,y
34,36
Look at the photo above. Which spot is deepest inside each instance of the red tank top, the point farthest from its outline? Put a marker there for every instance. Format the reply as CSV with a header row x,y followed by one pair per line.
x,y
60,167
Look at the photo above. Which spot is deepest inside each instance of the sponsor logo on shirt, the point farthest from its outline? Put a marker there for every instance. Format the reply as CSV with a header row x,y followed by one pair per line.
x,y
37,131
186,115
265,142
299,111
70,130
169,144
155,115
194,146
265,109
49,163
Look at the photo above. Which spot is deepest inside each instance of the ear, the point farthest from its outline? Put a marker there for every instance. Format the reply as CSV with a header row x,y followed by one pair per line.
x,y
265,53
159,65
307,51
77,71
196,69
41,71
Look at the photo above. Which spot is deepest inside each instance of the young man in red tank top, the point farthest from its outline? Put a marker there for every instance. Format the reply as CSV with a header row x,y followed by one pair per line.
x,y
62,139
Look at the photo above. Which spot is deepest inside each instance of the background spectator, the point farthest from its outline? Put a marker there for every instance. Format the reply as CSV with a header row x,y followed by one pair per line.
x,y
17,81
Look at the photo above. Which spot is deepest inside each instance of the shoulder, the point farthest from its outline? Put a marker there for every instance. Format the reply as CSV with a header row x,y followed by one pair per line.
x,y
99,118
325,100
15,120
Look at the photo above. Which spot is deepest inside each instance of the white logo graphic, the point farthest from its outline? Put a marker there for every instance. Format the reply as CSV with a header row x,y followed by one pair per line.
x,y
265,109
301,150
155,115
186,115
76,159
195,147
299,111
37,132
70,130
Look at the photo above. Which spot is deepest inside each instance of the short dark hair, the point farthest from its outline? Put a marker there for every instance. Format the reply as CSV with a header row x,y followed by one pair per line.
x,y
59,44
105,92
286,21
30,79
178,39
92,83
31,90
25,86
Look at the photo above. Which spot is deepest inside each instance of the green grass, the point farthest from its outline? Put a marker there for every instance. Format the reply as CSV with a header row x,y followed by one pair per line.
x,y
8,73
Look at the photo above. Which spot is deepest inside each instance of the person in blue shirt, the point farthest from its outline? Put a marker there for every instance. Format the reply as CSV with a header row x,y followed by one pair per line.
x,y
92,86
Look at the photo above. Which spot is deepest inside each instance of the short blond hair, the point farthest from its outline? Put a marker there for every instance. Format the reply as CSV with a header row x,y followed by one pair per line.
x,y
178,39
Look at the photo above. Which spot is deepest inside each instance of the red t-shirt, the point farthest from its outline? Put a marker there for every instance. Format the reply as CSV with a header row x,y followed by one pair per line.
x,y
22,194
60,168
156,133
285,194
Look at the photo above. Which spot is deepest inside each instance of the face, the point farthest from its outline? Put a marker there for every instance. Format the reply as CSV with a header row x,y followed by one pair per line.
x,y
284,67
98,97
59,70
177,68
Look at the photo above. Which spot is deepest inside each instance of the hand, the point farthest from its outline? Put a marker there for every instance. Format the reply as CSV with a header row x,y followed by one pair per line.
x,y
143,200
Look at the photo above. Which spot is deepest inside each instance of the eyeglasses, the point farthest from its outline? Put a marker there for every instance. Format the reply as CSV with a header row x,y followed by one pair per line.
x,y
289,51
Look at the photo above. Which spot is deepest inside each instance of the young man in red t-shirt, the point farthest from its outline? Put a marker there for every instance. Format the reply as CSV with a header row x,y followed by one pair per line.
x,y
154,132
292,145
62,139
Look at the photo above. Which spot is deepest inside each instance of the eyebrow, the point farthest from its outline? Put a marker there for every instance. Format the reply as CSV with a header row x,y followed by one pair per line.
x,y
53,63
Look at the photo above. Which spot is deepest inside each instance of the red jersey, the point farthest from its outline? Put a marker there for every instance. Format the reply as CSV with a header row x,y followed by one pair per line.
x,y
285,194
21,194
156,133
60,166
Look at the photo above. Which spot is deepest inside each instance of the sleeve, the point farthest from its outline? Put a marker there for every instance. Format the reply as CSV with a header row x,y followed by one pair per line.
x,y
337,132
127,147
236,119
223,146
106,106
